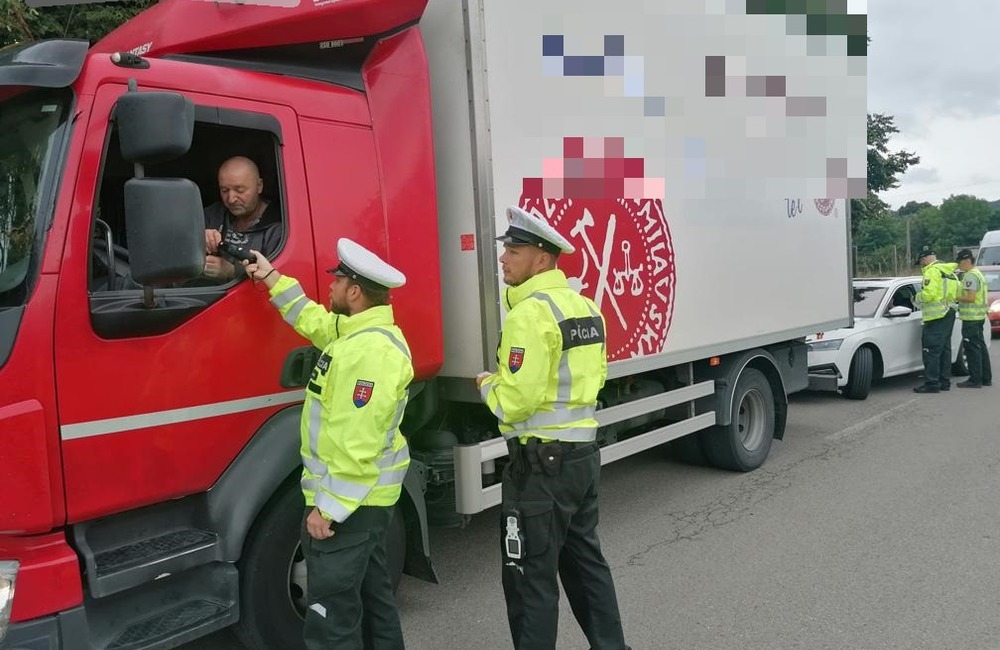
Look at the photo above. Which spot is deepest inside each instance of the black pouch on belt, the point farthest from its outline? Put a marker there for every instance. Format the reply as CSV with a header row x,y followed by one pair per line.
x,y
550,457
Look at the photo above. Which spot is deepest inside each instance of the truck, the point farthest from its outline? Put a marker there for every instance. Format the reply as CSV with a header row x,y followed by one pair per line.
x,y
700,156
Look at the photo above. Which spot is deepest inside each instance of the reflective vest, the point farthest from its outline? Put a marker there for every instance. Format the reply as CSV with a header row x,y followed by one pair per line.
x,y
940,290
353,453
974,311
551,362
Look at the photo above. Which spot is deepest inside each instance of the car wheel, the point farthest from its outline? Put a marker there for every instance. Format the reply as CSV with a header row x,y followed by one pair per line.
x,y
743,445
859,378
960,368
273,574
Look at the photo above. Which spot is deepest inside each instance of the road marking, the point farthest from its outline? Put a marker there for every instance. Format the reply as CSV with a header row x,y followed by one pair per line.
x,y
864,424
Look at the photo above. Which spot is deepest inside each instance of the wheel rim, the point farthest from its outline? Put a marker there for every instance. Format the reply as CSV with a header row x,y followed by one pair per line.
x,y
750,420
297,582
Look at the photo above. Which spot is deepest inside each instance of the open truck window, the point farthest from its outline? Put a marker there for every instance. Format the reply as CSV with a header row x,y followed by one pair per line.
x,y
218,136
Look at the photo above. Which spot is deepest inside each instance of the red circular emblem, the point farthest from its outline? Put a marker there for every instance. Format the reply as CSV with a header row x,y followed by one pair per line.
x,y
825,206
624,262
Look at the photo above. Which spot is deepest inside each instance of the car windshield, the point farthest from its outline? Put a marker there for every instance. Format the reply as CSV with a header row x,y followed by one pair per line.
x,y
867,300
992,280
31,126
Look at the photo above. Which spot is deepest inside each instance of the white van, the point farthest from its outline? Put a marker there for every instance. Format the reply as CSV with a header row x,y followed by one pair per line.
x,y
989,249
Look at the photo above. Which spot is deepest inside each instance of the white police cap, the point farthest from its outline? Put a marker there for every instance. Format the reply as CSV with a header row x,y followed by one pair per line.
x,y
365,267
528,229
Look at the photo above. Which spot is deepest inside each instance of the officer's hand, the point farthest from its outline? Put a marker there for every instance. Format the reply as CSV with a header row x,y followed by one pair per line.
x,y
218,268
481,377
212,240
262,270
317,526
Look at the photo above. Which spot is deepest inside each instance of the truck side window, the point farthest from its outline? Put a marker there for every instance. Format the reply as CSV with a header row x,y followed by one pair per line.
x,y
220,135
213,145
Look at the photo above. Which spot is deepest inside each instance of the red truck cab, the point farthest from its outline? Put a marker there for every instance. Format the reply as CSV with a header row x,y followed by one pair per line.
x,y
149,435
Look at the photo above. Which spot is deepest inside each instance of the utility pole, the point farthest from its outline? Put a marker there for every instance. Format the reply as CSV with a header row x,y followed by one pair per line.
x,y
909,251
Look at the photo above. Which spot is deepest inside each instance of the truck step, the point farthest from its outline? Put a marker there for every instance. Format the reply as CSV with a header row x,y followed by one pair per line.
x,y
165,613
187,616
131,564
156,549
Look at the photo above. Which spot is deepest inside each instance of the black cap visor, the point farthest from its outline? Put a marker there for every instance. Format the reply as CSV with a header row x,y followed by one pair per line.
x,y
347,272
519,237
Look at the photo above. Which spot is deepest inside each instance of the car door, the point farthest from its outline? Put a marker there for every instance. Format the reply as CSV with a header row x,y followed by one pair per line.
x,y
899,337
910,330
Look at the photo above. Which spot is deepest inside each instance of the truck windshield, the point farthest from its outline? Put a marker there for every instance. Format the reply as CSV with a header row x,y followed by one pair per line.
x,y
32,126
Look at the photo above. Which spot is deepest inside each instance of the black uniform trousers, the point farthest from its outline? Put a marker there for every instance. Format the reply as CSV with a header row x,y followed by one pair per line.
x,y
554,510
350,604
977,355
936,342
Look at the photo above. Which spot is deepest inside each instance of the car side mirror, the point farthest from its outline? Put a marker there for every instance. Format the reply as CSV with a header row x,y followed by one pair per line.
x,y
899,312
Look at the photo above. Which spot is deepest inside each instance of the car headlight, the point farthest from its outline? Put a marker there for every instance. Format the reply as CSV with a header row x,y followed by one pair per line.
x,y
8,574
995,307
823,346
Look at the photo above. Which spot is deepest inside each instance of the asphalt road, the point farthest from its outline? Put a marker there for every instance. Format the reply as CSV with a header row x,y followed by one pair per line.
x,y
873,525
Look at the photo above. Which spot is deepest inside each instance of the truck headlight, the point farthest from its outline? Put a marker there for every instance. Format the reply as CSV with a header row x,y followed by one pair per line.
x,y
8,574
824,346
995,307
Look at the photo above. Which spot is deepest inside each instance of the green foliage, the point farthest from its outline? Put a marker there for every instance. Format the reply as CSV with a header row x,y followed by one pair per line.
x,y
20,23
960,221
884,169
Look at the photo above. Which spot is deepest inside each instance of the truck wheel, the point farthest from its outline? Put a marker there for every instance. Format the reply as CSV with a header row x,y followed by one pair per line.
x,y
273,574
743,445
961,367
859,378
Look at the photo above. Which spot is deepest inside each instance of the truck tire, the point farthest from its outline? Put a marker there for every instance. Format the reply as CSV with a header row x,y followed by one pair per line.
x,y
744,444
273,574
859,377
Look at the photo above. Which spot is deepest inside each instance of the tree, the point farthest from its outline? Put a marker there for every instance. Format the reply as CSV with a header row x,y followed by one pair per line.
x,y
19,22
884,169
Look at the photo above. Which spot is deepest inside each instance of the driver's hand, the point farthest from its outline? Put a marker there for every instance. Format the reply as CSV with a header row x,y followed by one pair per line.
x,y
212,240
217,268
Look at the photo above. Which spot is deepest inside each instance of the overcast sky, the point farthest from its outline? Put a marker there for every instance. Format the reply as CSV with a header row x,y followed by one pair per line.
x,y
935,65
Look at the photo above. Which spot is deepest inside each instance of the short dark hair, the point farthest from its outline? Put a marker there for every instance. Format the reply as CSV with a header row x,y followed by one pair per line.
x,y
375,296
964,254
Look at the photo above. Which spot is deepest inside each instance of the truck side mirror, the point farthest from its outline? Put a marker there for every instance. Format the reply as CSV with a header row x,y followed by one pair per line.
x,y
165,229
154,127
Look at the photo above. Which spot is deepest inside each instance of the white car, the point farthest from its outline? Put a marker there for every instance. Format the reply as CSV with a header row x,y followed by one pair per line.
x,y
884,342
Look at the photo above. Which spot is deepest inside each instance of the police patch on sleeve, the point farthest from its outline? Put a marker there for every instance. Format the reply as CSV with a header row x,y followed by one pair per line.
x,y
927,281
515,359
363,392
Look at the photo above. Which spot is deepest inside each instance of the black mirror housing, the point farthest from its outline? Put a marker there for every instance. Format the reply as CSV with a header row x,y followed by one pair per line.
x,y
165,226
154,127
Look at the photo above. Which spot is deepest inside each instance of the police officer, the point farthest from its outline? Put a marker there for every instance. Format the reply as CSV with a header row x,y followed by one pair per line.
x,y
937,300
972,310
354,456
551,363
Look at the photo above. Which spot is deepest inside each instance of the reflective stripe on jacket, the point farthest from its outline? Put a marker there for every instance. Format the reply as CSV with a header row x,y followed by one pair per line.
x,y
352,450
551,362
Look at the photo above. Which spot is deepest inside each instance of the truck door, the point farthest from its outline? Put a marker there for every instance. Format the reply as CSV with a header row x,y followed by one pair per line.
x,y
155,408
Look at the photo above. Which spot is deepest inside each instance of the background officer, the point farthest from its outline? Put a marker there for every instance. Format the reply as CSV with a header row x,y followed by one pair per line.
x,y
937,300
354,456
972,309
551,364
